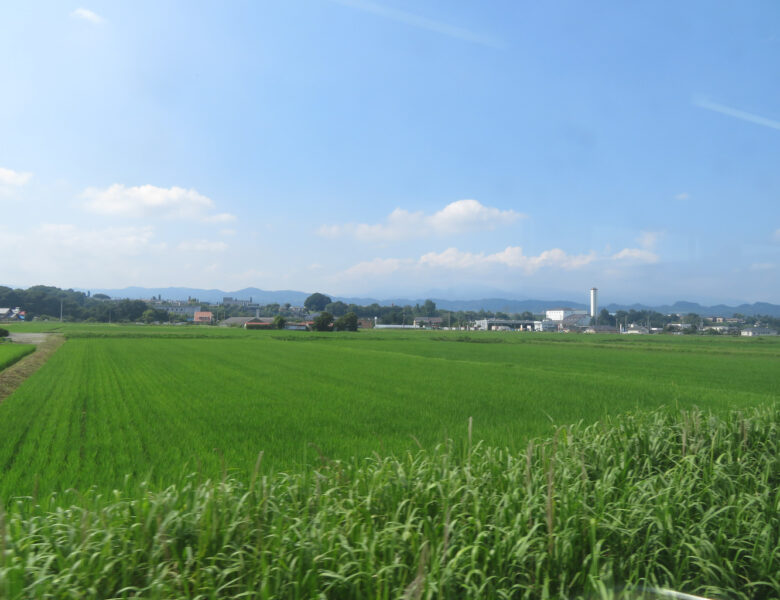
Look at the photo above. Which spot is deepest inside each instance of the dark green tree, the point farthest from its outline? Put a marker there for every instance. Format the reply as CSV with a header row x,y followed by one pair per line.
x,y
316,302
323,322
279,322
348,322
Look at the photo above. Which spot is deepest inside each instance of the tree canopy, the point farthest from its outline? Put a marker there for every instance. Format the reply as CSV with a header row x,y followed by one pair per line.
x,y
323,322
316,302
348,322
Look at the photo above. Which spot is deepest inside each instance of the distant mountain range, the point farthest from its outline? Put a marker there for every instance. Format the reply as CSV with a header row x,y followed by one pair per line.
x,y
492,304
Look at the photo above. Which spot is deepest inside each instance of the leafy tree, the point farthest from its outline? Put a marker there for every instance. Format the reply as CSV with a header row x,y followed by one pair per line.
x,y
348,322
316,302
337,309
101,297
605,318
323,322
279,322
429,308
3,332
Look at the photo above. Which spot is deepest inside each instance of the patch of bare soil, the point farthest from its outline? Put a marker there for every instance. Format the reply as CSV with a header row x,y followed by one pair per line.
x,y
12,377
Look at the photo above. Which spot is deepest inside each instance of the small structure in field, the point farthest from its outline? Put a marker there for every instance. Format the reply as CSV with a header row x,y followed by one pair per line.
x,y
756,331
428,322
235,321
203,316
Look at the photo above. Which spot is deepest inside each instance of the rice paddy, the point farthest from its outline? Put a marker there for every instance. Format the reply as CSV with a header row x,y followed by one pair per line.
x,y
414,464
154,402
11,353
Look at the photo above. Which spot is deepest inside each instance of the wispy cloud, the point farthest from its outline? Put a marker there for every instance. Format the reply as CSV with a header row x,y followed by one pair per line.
x,y
458,217
682,196
87,15
765,266
511,257
452,259
413,20
639,255
14,178
736,113
202,246
152,201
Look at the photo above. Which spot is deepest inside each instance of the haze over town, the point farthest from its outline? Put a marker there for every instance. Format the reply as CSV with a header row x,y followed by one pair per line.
x,y
393,149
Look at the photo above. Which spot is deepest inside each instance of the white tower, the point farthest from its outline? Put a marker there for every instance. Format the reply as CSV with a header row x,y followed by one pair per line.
x,y
594,302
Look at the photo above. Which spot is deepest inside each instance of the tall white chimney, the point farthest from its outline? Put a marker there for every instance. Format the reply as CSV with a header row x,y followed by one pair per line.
x,y
594,302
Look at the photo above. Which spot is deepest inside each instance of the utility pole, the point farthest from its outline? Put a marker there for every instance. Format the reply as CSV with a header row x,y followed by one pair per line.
x,y
60,311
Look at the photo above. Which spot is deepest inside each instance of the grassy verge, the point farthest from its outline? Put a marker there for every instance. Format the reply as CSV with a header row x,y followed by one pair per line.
x,y
681,500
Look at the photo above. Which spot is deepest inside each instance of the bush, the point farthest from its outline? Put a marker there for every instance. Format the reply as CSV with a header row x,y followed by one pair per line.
x,y
323,322
3,332
348,322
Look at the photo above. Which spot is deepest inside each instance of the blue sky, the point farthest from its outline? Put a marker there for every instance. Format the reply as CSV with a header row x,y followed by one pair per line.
x,y
394,148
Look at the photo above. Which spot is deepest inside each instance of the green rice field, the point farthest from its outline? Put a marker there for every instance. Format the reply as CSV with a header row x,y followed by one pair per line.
x,y
11,353
200,462
153,403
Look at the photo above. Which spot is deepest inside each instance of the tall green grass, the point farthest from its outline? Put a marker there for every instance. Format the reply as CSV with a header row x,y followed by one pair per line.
x,y
681,500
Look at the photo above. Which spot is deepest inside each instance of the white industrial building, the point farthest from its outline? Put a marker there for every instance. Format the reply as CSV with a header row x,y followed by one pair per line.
x,y
559,314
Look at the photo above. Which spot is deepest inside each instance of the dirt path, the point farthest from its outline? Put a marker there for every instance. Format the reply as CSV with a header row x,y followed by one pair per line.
x,y
12,377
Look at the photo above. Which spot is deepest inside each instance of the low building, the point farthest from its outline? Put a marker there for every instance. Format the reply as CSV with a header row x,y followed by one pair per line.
x,y
575,322
203,316
559,314
504,325
12,314
365,323
259,323
428,322
636,330
178,308
756,331
545,325
235,321
600,329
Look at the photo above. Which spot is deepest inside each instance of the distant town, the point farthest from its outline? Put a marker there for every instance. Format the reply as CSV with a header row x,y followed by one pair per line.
x,y
321,313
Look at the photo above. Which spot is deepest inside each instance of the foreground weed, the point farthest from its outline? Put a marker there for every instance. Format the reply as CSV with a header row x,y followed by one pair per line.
x,y
686,501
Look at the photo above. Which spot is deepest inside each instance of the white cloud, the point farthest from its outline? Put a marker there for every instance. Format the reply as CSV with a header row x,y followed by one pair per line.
x,y
377,267
777,235
202,246
124,240
14,178
511,257
461,216
636,255
682,196
151,201
762,266
648,239
87,15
